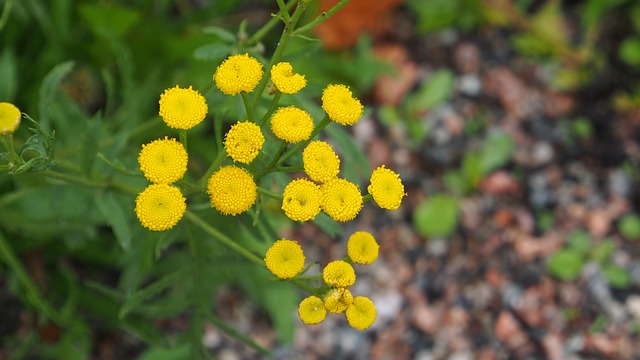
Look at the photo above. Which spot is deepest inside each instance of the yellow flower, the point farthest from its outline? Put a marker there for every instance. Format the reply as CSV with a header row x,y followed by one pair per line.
x,y
243,142
386,188
291,124
182,108
339,273
301,200
312,311
362,248
163,161
9,118
160,206
231,190
337,300
285,80
361,313
341,199
285,258
321,164
340,105
238,73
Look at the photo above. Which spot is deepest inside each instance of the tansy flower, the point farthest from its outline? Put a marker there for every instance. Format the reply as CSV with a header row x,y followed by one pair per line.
x,y
337,300
312,311
182,108
238,73
231,190
341,199
160,206
301,200
340,105
361,313
362,248
163,161
285,80
291,124
339,273
285,258
321,164
9,118
386,188
243,141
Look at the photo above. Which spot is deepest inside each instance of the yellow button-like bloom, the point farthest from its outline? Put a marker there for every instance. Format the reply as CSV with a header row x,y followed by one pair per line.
x,y
291,124
163,161
337,300
362,248
9,118
312,311
339,273
341,199
243,141
386,188
340,105
285,258
320,162
301,200
238,73
361,313
285,80
160,206
182,108
232,190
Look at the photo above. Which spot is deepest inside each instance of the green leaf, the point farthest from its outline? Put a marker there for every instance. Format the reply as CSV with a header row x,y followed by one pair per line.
x,y
436,216
8,74
109,18
49,89
436,90
496,152
351,154
580,242
618,277
180,352
629,226
472,170
115,216
327,224
151,290
629,51
565,264
221,33
603,251
212,51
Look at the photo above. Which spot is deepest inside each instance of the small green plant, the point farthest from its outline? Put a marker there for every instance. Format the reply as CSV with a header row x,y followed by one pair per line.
x,y
629,226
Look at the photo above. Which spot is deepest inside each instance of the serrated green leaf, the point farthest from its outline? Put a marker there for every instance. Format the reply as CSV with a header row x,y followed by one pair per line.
x,y
436,216
115,216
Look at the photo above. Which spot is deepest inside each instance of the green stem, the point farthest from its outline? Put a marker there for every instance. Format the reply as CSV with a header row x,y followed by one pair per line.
x,y
272,107
283,10
196,220
14,160
276,158
288,168
321,18
31,290
182,136
266,28
77,180
297,282
323,123
282,44
269,193
367,197
215,165
197,321
248,106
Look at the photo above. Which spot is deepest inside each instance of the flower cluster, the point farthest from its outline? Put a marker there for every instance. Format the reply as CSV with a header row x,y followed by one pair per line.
x,y
285,259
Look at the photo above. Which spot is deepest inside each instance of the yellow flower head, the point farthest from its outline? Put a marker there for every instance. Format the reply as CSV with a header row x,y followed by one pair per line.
x,y
340,105
285,80
238,73
337,300
301,200
361,313
160,206
9,118
291,124
312,311
339,273
232,190
341,199
362,248
163,161
285,258
386,188
320,162
182,108
243,142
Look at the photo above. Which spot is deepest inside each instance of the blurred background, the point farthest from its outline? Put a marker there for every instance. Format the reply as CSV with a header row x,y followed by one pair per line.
x,y
513,124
